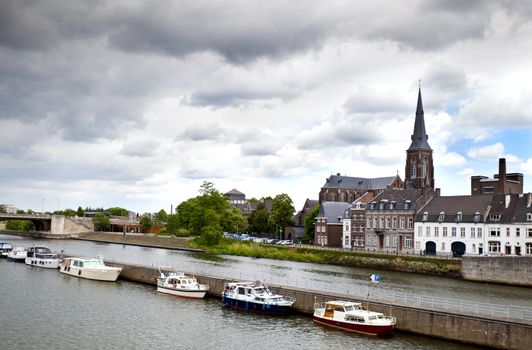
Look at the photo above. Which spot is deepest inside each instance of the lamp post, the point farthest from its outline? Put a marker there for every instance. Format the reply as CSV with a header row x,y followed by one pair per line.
x,y
42,211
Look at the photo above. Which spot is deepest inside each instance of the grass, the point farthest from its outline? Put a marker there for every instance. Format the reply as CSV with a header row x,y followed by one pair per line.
x,y
410,263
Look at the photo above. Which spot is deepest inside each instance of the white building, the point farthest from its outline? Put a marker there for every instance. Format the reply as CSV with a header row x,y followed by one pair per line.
x,y
457,225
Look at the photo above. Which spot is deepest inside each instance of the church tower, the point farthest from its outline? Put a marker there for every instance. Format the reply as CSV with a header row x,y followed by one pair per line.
x,y
419,170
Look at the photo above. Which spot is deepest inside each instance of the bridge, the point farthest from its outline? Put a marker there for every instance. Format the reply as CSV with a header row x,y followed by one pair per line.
x,y
53,226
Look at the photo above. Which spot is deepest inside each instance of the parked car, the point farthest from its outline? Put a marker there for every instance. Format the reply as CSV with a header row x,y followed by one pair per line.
x,y
272,241
286,242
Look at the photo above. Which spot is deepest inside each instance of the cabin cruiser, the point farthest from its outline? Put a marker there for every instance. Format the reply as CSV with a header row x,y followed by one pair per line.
x,y
42,256
5,248
17,254
353,317
93,269
177,283
255,297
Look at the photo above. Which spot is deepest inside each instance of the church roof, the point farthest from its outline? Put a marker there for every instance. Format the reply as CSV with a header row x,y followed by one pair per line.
x,y
419,137
234,192
358,183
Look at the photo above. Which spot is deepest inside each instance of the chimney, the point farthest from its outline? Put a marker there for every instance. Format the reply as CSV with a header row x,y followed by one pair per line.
x,y
502,175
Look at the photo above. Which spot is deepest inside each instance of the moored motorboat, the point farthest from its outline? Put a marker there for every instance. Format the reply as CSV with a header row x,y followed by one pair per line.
x,y
42,256
93,269
179,284
351,316
18,254
255,297
5,248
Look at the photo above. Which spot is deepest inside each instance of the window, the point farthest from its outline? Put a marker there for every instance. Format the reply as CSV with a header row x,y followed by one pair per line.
x,y
443,246
445,232
476,218
441,216
402,223
427,231
528,249
414,169
375,220
495,232
462,231
425,216
410,223
408,242
381,222
394,222
417,245
528,216
459,216
472,232
517,232
368,224
488,189
453,231
495,217
394,241
507,232
420,231
529,232
424,170
436,231
479,232
388,222
494,247
407,204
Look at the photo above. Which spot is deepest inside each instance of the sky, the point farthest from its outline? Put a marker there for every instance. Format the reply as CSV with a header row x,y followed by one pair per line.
x,y
136,103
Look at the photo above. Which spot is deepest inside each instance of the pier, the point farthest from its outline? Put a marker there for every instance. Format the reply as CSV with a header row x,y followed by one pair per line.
x,y
501,330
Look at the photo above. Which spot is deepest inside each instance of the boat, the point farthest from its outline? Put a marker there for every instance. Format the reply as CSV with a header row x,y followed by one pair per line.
x,y
179,284
42,256
5,248
352,316
255,297
92,269
17,254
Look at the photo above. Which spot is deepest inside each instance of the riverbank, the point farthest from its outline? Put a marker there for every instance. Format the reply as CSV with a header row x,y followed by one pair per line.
x,y
404,263
165,242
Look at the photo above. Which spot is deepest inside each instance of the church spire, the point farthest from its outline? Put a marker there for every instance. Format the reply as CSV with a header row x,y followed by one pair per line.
x,y
419,137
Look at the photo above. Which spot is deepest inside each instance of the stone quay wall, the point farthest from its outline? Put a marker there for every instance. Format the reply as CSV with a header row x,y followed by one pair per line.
x,y
495,333
514,270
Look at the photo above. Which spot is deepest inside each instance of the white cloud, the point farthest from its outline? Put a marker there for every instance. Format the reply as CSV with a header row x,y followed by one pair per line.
x,y
490,152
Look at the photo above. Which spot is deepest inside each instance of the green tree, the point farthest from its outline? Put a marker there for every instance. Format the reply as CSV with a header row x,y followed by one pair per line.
x,y
101,222
172,224
161,217
145,223
80,213
282,214
310,223
2,209
118,211
234,220
259,220
20,225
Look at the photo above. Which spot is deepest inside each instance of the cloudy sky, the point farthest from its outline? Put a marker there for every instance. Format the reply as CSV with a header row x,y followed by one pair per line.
x,y
136,103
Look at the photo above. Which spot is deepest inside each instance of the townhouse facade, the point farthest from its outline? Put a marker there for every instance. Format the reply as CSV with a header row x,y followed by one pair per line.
x,y
329,224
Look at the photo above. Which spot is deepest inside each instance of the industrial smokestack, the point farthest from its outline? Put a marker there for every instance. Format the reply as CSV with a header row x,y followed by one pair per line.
x,y
502,175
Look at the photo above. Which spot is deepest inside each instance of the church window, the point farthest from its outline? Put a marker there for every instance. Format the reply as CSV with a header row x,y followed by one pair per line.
x,y
424,170
414,169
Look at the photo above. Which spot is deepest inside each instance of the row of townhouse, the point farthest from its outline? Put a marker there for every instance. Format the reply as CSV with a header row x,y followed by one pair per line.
x,y
413,222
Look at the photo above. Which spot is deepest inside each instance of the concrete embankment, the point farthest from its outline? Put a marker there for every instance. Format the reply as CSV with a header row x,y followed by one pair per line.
x,y
513,270
495,333
177,243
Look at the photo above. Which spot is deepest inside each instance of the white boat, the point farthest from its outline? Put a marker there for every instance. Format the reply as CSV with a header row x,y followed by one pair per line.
x,y
93,269
17,254
5,248
255,297
42,256
177,283
351,316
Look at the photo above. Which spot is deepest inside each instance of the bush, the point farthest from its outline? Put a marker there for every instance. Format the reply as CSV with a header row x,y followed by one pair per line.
x,y
211,235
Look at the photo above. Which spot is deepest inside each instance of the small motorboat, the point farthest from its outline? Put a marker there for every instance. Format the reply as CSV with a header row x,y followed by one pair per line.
x,y
42,256
5,248
177,283
18,254
92,269
255,297
351,316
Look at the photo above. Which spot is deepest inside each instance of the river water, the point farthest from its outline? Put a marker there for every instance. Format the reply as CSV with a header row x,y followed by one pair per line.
x,y
44,309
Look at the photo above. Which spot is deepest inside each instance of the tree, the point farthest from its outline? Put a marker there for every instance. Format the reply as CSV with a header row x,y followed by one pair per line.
x,y
161,217
2,209
20,225
172,224
259,220
118,211
282,214
101,222
80,212
234,221
145,223
310,223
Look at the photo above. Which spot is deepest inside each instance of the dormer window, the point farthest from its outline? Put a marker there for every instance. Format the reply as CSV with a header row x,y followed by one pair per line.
x,y
441,216
495,217
476,218
425,216
459,216
528,216
392,205
407,204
